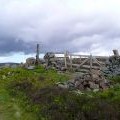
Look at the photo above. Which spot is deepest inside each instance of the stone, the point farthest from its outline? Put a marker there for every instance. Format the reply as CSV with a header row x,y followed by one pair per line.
x,y
93,85
112,67
86,82
77,83
78,92
49,55
63,86
103,85
88,89
95,90
81,87
63,69
30,61
31,67
72,81
71,85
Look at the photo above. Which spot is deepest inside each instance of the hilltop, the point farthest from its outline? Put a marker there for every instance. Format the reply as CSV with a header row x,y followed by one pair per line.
x,y
34,95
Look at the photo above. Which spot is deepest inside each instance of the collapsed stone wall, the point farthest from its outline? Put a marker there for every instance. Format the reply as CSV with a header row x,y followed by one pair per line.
x,y
97,79
94,81
112,67
52,62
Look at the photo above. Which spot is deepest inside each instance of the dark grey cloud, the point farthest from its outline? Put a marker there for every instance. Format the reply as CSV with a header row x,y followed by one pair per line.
x,y
73,25
11,45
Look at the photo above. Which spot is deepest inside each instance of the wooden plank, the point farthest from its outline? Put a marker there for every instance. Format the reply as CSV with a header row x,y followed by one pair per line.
x,y
104,57
75,55
98,62
91,60
84,66
77,65
88,67
65,55
84,62
60,57
71,61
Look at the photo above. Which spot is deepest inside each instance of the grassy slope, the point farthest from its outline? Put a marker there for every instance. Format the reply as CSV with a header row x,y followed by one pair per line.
x,y
12,107
31,95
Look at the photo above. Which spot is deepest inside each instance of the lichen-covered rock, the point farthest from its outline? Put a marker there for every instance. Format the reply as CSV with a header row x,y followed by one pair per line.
x,y
112,67
31,67
30,61
52,62
88,82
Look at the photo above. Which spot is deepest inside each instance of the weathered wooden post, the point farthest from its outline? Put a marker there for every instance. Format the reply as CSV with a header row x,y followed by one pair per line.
x,y
65,58
80,59
71,61
91,60
91,63
37,55
116,53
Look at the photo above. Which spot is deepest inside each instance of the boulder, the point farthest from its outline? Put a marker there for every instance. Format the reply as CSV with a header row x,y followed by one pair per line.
x,y
31,67
63,86
30,61
93,85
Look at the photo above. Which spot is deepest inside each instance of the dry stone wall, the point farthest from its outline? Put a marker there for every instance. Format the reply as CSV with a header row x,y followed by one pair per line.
x,y
112,67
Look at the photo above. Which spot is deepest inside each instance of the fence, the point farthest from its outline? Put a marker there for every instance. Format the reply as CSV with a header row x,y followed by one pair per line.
x,y
85,62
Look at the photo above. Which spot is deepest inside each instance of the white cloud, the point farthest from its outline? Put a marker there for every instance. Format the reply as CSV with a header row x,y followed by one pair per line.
x,y
76,25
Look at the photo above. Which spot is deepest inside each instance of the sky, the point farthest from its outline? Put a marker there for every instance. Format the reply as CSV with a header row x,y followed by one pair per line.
x,y
78,26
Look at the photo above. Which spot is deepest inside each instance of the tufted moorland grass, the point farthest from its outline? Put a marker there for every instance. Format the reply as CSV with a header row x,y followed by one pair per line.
x,y
32,95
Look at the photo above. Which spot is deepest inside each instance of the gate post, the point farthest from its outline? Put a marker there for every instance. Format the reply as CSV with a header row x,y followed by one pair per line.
x,y
91,62
65,58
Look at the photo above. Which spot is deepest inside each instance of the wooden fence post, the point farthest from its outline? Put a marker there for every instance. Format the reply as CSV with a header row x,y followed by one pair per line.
x,y
37,54
65,58
71,61
91,60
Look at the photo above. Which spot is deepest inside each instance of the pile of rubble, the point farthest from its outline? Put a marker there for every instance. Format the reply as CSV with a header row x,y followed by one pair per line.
x,y
52,62
90,82
112,67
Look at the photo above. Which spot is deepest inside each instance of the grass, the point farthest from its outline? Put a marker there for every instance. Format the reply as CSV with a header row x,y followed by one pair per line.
x,y
32,95
115,79
14,103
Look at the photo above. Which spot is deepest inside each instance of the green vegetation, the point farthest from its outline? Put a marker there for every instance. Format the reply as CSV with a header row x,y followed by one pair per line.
x,y
17,84
33,95
115,79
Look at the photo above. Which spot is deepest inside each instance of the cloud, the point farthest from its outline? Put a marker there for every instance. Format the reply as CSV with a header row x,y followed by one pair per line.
x,y
11,45
58,25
